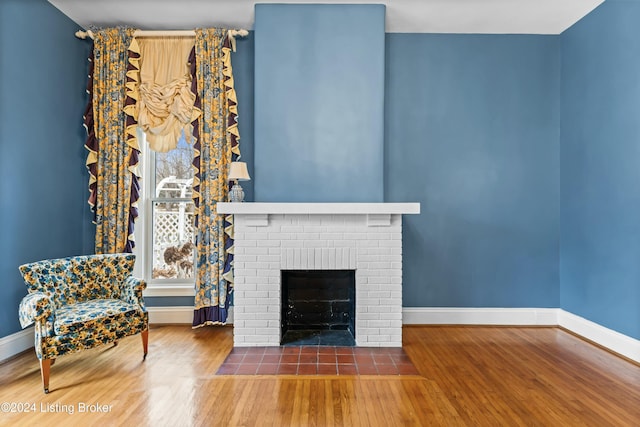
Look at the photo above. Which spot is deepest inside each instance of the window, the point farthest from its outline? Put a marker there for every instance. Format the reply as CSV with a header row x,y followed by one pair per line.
x,y
166,221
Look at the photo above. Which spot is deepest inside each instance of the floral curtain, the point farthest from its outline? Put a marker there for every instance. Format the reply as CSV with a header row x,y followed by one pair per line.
x,y
113,153
216,145
111,120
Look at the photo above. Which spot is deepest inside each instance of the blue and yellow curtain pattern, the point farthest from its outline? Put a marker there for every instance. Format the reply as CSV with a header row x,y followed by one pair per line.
x,y
111,121
216,145
113,158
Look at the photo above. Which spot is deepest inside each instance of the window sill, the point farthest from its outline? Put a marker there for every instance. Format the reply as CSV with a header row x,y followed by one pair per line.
x,y
169,290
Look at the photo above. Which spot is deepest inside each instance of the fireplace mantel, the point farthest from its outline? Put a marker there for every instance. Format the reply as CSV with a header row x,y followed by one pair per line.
x,y
377,214
318,208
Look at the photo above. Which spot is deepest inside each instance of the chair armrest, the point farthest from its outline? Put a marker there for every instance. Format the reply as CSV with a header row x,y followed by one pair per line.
x,y
36,306
132,291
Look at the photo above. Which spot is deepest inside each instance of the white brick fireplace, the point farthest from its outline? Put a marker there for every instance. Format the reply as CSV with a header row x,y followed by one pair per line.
x,y
271,237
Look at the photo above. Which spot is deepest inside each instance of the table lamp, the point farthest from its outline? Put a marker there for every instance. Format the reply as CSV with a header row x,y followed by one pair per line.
x,y
237,172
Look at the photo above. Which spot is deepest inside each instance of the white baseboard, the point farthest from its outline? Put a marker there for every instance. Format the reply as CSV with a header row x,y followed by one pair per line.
x,y
480,316
168,315
16,343
608,338
176,315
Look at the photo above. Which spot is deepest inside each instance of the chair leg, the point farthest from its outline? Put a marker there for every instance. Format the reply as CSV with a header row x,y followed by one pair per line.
x,y
45,364
145,342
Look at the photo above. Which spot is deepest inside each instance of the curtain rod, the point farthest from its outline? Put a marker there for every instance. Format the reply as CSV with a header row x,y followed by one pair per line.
x,y
166,33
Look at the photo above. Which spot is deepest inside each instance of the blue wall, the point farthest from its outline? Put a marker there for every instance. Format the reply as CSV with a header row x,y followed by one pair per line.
x,y
520,208
243,71
43,180
600,153
319,103
472,132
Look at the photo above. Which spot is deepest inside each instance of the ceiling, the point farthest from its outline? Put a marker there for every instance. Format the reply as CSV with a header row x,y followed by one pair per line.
x,y
402,16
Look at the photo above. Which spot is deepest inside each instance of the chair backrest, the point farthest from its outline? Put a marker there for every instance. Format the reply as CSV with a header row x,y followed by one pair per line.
x,y
80,278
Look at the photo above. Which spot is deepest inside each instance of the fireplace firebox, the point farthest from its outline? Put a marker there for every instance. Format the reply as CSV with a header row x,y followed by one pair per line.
x,y
318,307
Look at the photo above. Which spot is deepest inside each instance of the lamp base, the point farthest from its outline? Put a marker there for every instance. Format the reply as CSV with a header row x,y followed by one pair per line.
x,y
236,194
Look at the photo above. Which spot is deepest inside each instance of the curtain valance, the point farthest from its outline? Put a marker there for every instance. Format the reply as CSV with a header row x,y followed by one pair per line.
x,y
165,102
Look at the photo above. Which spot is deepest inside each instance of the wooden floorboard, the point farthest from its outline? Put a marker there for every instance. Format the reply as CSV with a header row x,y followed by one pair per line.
x,y
469,376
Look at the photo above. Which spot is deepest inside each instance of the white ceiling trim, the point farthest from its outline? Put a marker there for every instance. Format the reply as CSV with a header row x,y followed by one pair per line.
x,y
403,16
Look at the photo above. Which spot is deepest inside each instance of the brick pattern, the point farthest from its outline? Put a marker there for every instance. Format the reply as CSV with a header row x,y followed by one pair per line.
x,y
318,242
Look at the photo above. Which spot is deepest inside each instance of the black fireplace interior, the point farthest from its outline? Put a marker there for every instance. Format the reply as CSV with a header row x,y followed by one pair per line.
x,y
318,307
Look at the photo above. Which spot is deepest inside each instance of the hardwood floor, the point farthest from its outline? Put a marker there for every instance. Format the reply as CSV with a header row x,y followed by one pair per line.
x,y
472,376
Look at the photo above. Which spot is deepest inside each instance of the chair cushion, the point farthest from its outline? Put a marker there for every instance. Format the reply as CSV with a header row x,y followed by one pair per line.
x,y
72,318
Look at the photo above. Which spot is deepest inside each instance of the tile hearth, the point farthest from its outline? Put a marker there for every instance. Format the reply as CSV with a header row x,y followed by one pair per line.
x,y
317,360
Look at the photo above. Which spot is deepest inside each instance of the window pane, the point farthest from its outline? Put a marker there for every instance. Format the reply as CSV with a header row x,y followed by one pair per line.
x,y
173,250
174,172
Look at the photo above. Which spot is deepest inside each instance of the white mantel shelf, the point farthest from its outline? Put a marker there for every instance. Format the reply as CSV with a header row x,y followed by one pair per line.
x,y
261,208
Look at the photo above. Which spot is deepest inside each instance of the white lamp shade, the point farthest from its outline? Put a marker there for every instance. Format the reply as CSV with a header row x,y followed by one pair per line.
x,y
238,171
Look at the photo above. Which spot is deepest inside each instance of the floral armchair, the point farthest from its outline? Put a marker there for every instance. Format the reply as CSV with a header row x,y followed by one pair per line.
x,y
82,302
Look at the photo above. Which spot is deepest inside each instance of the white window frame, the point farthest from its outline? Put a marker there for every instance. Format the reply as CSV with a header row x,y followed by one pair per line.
x,y
144,233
